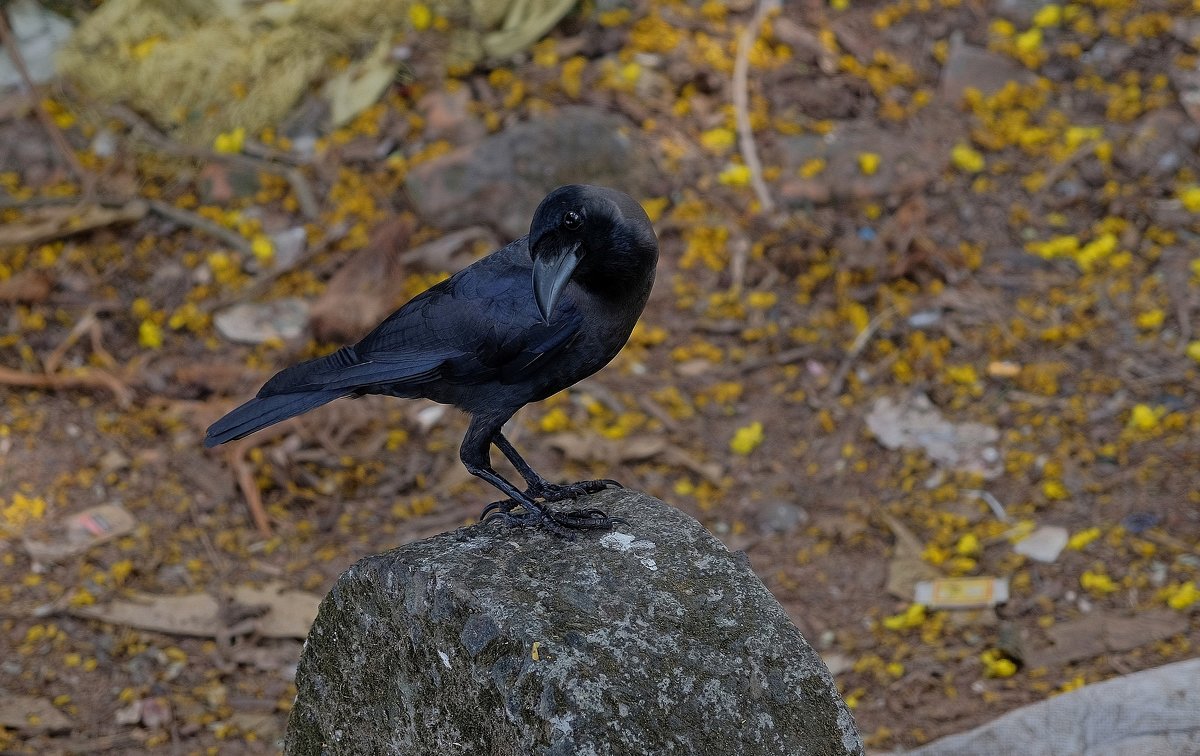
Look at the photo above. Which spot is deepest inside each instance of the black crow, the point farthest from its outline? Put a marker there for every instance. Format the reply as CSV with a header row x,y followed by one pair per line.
x,y
515,327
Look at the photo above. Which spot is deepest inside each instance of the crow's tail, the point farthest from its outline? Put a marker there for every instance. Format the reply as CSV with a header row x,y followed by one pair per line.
x,y
262,411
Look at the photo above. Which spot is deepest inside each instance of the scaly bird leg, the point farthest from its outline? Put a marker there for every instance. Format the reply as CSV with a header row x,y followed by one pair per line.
x,y
544,489
475,457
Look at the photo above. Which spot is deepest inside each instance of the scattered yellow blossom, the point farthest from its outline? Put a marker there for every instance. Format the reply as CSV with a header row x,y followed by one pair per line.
x,y
868,163
811,167
572,76
747,438
996,664
654,207
420,16
263,249
554,421
735,175
230,142
913,616
121,570
967,159
1029,41
1150,319
1190,197
1080,540
150,335
1054,490
1193,350
23,509
142,49
1183,596
1144,417
1096,250
962,374
717,141
1097,582
968,545
1059,246
1048,15
762,300
1074,683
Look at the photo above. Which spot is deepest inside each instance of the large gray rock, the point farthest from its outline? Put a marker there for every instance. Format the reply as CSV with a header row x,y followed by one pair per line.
x,y
652,639
500,180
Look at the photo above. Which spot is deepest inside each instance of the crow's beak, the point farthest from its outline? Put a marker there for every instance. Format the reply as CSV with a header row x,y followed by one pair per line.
x,y
551,271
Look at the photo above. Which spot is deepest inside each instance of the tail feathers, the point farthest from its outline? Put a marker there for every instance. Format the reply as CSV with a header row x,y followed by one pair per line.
x,y
262,411
346,371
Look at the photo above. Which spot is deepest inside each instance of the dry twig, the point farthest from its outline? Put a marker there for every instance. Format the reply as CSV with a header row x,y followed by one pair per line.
x,y
856,349
202,224
87,181
83,378
249,486
741,102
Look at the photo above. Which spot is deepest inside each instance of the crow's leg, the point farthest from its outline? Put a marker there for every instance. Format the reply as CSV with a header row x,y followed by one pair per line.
x,y
475,456
540,487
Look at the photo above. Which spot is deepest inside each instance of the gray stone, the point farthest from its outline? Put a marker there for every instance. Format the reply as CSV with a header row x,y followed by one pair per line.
x,y
969,67
909,158
489,640
39,34
500,180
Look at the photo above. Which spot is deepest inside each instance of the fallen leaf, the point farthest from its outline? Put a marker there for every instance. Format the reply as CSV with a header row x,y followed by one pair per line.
x,y
28,287
905,568
363,290
289,612
359,86
254,323
589,448
524,24
914,423
286,613
31,715
1103,632
1043,544
451,252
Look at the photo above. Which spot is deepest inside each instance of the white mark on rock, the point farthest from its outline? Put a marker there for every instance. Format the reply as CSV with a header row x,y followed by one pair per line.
x,y
445,658
617,541
626,542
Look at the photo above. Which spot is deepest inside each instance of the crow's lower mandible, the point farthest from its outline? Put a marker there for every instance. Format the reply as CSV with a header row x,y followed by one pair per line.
x,y
519,325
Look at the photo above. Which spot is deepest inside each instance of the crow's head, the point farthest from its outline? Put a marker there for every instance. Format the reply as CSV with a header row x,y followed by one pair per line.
x,y
598,237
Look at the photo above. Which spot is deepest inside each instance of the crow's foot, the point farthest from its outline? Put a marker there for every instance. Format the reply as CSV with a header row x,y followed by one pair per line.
x,y
559,523
557,492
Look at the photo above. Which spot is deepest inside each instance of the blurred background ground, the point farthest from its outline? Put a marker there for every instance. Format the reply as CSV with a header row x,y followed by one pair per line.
x,y
945,329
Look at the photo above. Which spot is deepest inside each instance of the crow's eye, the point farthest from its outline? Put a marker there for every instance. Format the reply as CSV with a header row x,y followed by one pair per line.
x,y
572,220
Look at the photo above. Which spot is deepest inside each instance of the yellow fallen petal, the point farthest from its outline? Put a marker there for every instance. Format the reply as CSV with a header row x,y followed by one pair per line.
x,y
868,163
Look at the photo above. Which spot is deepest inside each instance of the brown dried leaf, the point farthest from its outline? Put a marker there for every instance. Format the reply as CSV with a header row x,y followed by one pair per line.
x,y
29,714
28,287
1106,632
364,289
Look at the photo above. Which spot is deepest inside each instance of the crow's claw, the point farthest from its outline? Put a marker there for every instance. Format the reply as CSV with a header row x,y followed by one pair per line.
x,y
559,523
503,507
557,492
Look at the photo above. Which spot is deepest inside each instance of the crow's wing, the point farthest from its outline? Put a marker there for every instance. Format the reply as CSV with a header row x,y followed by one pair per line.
x,y
480,325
